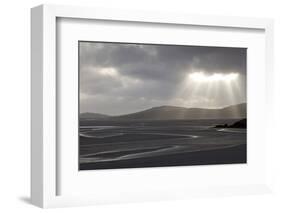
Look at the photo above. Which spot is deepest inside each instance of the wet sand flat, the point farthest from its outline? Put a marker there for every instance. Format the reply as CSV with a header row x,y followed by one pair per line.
x,y
109,145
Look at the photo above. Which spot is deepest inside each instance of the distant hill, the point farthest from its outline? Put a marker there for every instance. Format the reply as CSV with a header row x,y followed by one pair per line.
x,y
173,113
94,116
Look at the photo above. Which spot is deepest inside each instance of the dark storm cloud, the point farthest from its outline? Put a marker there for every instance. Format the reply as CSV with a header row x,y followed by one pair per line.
x,y
161,62
111,54
222,60
146,74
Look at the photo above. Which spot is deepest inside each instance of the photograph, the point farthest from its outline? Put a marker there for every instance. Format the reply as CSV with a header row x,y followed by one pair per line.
x,y
158,105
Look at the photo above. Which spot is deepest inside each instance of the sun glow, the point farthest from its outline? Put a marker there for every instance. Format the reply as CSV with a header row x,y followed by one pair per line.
x,y
111,72
216,77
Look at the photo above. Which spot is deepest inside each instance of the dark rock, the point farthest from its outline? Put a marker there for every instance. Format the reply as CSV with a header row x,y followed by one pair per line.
x,y
239,124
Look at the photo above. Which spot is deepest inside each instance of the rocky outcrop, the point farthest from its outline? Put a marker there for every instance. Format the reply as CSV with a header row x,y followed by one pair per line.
x,y
239,124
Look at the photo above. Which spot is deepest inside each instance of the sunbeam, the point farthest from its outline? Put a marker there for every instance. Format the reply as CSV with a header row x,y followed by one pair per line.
x,y
215,77
209,89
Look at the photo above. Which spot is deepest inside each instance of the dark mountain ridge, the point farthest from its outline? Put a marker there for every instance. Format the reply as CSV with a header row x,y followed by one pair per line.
x,y
92,115
175,113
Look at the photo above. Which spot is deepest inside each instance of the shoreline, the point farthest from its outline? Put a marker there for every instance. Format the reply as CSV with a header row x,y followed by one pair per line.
x,y
231,155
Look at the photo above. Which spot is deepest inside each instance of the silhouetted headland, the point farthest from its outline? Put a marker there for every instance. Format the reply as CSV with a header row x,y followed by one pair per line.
x,y
239,124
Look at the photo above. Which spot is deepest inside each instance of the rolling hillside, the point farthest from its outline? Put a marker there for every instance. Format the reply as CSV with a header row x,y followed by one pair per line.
x,y
173,112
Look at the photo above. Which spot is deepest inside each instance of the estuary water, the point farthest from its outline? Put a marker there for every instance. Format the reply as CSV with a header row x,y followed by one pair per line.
x,y
108,144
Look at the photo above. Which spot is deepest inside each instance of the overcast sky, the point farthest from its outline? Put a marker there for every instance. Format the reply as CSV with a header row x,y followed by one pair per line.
x,y
124,78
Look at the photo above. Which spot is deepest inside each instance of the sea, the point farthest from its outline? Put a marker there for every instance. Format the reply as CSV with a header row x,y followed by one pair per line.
x,y
113,144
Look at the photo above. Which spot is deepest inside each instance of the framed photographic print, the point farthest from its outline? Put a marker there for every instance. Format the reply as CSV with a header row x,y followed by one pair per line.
x,y
148,105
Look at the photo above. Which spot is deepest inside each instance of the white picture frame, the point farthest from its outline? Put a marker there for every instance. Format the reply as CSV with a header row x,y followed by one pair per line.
x,y
44,148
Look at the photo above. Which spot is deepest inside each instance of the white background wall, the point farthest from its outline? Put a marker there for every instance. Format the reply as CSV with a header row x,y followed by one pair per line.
x,y
15,103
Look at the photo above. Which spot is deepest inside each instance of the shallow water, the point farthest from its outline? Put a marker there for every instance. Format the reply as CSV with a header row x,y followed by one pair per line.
x,y
113,141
